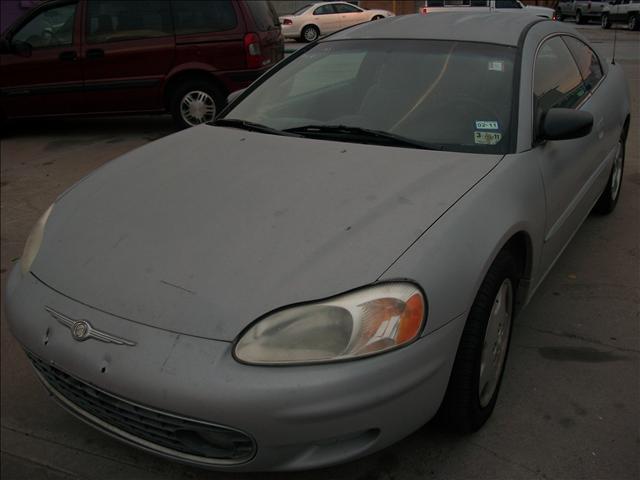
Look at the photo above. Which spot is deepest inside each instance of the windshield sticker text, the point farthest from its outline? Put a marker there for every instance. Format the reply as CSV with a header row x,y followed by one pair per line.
x,y
485,125
486,138
496,66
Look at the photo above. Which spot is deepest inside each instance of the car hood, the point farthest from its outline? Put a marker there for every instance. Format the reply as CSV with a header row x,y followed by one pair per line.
x,y
204,231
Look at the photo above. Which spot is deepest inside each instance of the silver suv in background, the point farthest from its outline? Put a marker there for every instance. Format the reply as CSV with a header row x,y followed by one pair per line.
x,y
581,10
481,6
622,11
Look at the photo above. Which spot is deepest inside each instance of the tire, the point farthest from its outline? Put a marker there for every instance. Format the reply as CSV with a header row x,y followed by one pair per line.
x,y
465,407
605,22
579,18
559,16
309,34
377,17
611,193
633,22
207,99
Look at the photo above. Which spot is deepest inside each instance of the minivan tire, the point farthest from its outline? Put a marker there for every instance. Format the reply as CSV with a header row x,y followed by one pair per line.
x,y
208,99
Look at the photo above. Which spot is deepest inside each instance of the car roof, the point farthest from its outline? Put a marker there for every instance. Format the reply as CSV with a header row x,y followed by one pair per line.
x,y
500,28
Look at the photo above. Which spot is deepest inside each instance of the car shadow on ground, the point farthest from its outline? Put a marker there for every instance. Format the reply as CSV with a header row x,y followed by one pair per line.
x,y
149,127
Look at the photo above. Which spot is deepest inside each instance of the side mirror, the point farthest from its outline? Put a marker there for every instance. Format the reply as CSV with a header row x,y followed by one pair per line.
x,y
565,124
232,96
23,49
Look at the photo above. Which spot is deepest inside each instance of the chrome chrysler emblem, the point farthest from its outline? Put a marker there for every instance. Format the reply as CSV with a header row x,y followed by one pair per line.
x,y
82,330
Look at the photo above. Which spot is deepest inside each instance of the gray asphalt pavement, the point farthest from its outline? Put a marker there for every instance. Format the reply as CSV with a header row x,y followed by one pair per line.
x,y
570,402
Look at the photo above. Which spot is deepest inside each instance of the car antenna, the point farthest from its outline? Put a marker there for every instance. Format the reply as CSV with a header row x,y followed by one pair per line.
x,y
615,37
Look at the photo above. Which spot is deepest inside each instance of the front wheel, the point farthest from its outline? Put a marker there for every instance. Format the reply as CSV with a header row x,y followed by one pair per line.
x,y
609,197
195,102
605,22
482,353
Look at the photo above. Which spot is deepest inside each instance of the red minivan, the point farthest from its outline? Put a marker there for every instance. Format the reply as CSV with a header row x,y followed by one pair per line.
x,y
75,57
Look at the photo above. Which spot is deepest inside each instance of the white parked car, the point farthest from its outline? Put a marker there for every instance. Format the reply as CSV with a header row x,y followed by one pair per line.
x,y
311,21
622,11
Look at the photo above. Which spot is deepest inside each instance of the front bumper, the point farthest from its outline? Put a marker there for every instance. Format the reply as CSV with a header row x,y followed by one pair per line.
x,y
297,417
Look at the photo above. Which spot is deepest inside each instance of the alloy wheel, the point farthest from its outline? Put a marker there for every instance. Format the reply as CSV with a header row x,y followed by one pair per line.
x,y
496,340
616,175
197,107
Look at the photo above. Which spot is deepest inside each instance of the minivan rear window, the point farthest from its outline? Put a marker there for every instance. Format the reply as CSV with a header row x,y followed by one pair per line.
x,y
196,16
264,15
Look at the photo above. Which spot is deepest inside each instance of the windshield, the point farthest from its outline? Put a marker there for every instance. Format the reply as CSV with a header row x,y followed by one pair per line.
x,y
453,96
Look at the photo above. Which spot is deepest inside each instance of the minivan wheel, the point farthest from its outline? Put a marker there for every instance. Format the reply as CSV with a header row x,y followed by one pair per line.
x,y
310,33
604,21
482,352
195,102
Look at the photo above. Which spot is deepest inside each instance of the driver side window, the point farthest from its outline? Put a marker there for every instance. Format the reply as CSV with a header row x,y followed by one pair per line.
x,y
557,80
52,27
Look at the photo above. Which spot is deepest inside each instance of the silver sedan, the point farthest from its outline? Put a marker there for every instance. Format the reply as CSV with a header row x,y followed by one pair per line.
x,y
340,258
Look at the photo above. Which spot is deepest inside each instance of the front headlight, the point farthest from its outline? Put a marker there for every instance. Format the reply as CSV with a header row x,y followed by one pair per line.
x,y
32,245
355,324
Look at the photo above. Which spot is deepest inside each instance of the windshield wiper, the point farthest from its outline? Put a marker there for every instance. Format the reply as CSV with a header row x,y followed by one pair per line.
x,y
349,133
251,126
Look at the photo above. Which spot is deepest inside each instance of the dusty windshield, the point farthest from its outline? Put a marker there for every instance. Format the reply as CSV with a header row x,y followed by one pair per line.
x,y
451,95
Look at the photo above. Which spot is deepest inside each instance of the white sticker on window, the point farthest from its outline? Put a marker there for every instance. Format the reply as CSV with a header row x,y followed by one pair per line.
x,y
486,138
496,66
486,125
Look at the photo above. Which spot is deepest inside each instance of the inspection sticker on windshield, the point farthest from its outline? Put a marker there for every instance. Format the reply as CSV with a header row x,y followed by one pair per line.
x,y
496,66
486,138
485,125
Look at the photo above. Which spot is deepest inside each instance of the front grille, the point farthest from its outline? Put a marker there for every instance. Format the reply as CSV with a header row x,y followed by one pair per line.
x,y
162,432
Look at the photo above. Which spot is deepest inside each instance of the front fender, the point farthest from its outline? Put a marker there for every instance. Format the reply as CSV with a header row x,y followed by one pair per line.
x,y
451,259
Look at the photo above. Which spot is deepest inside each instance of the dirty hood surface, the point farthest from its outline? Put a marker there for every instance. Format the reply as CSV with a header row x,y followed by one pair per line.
x,y
204,231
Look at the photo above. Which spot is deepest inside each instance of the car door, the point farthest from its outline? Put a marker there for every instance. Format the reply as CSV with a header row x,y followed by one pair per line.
x,y
128,50
568,167
326,18
349,14
40,73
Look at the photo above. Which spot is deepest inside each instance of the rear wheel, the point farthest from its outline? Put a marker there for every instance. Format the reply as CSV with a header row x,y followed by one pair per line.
x,y
310,33
559,16
377,17
633,22
579,18
605,22
609,197
195,102
482,353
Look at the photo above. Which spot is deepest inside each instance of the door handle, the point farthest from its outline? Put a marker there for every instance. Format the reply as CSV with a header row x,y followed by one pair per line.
x,y
68,56
95,53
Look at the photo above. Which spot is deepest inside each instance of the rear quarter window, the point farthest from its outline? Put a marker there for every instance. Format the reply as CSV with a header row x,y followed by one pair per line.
x,y
264,15
197,16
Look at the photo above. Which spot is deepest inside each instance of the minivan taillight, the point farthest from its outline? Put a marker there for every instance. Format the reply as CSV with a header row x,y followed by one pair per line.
x,y
252,50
